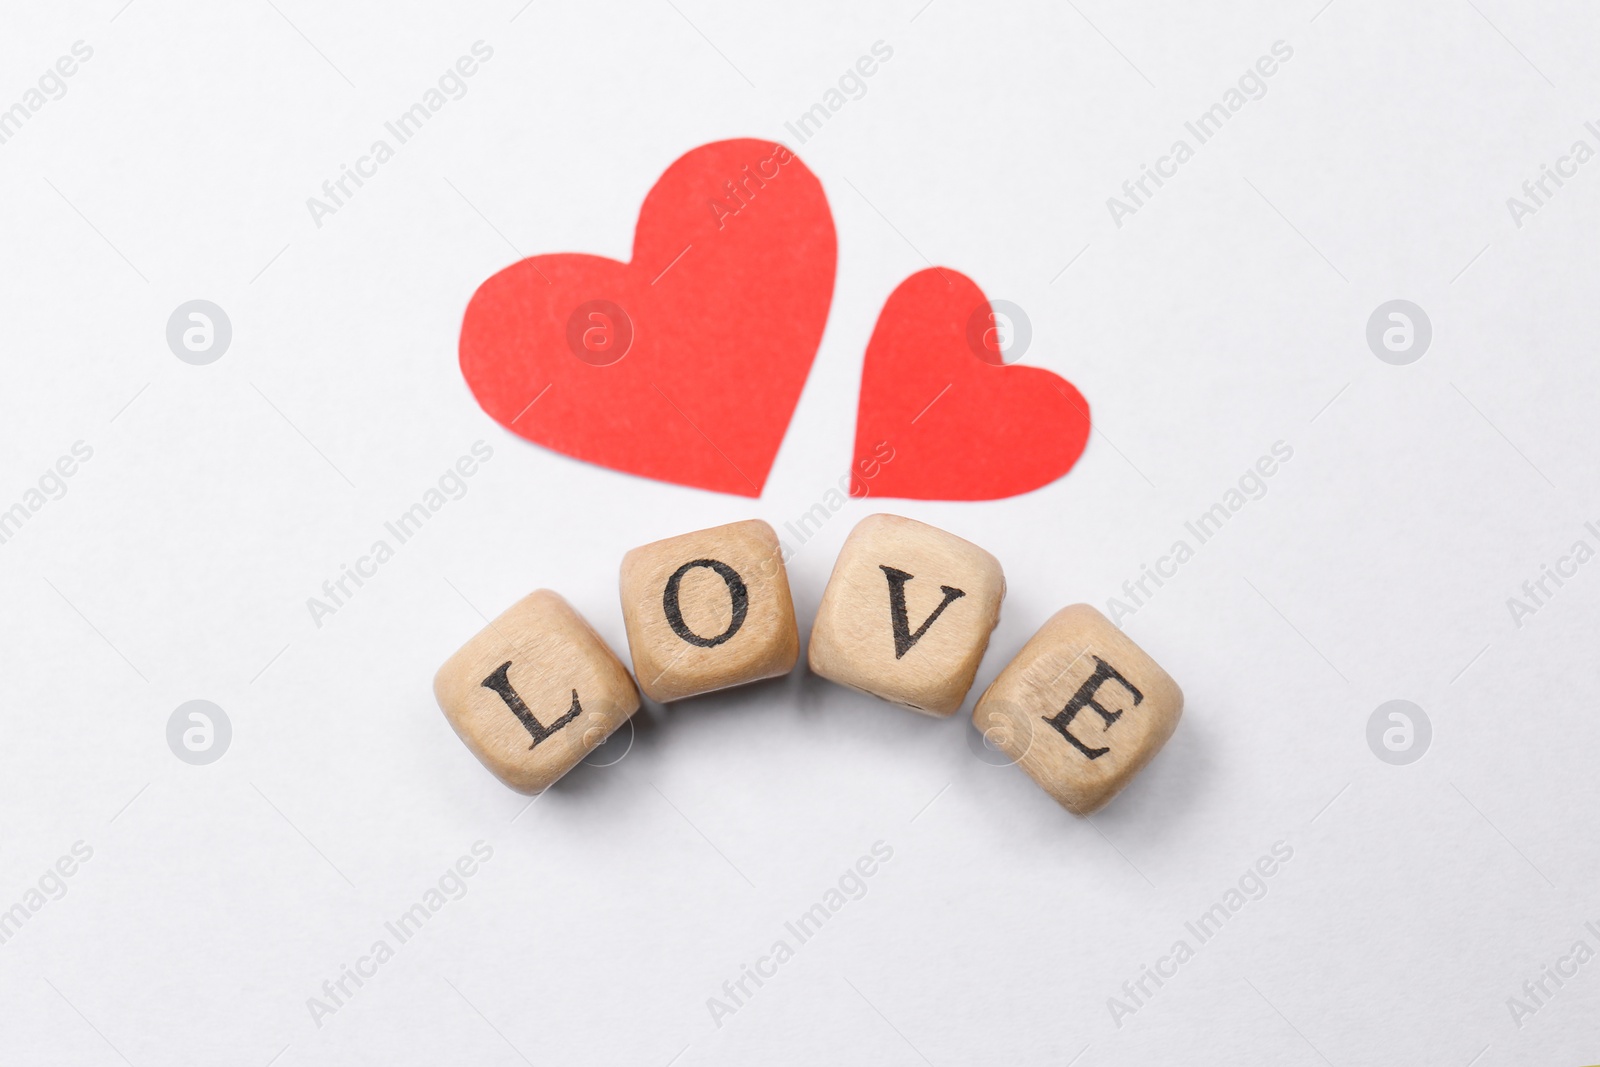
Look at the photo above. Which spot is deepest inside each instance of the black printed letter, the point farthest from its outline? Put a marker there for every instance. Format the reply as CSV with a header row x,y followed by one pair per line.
x,y
1084,698
737,593
500,682
903,637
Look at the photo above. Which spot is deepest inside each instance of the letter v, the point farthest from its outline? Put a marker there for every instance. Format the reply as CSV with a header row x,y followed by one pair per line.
x,y
903,637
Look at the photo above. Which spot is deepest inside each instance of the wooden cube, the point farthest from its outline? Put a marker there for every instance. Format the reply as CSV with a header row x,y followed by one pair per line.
x,y
534,692
1082,709
907,614
708,610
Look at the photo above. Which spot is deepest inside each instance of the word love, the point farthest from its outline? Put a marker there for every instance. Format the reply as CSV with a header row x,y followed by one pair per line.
x,y
906,617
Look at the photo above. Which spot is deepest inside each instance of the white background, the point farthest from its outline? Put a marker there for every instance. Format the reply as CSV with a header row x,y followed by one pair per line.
x,y
1227,314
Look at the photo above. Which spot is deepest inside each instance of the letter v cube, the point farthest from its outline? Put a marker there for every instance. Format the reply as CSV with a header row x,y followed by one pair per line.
x,y
907,614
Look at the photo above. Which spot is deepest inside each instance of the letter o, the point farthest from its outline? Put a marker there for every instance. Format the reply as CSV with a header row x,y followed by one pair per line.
x,y
737,593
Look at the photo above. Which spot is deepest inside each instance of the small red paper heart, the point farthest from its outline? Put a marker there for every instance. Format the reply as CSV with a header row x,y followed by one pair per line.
x,y
684,364
937,397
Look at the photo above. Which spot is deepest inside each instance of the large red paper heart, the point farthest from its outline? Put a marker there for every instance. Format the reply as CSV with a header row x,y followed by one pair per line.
x,y
685,363
938,398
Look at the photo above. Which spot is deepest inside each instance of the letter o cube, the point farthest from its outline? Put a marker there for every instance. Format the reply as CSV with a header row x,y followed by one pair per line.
x,y
708,610
1082,709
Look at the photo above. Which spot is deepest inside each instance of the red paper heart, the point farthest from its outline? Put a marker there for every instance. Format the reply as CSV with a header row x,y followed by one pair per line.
x,y
958,423
717,318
